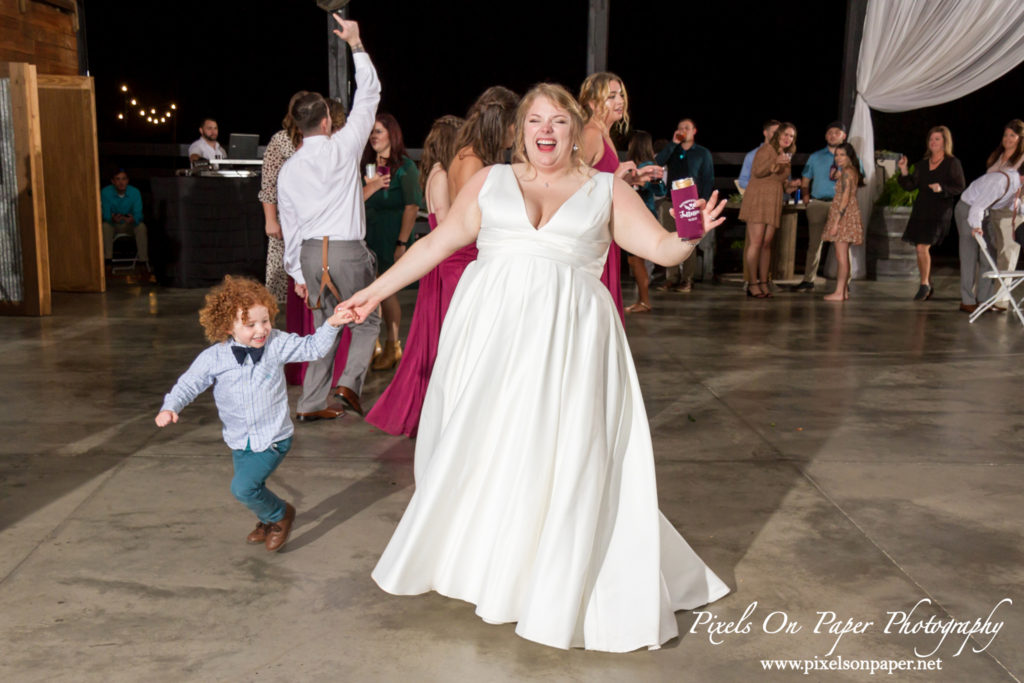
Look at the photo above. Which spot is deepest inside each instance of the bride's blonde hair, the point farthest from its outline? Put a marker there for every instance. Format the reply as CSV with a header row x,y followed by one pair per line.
x,y
561,98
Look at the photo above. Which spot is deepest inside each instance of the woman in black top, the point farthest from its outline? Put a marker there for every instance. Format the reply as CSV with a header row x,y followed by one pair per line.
x,y
940,178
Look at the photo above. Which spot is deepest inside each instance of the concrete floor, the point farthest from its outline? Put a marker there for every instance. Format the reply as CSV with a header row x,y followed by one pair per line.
x,y
852,459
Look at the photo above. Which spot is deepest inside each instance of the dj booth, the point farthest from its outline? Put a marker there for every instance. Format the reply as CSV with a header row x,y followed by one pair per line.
x,y
208,224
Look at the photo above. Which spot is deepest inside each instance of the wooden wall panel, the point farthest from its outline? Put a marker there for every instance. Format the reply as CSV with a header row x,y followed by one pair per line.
x,y
42,34
31,195
67,113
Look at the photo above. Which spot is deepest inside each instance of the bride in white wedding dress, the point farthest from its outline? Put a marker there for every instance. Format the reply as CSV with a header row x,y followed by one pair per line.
x,y
535,489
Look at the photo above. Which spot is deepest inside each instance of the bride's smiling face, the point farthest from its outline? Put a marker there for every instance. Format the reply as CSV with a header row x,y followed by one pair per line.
x,y
547,134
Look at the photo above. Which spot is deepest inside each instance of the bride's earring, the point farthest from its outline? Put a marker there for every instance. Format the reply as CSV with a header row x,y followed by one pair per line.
x,y
575,148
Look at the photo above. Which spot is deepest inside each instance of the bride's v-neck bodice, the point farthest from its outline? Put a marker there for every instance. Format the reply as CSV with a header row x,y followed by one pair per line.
x,y
577,234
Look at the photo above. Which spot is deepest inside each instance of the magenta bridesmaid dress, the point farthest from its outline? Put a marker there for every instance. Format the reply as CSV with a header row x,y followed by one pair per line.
x,y
397,411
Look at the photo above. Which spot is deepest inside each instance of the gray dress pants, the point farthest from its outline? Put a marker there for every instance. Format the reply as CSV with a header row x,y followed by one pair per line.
x,y
351,268
972,263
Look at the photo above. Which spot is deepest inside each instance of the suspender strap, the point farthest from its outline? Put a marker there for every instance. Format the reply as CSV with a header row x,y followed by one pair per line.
x,y
325,281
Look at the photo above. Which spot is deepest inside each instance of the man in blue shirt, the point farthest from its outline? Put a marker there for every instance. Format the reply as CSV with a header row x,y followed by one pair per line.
x,y
684,158
122,213
768,129
818,187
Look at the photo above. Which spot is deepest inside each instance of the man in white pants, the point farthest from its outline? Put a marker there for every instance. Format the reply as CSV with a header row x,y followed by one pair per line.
x,y
323,222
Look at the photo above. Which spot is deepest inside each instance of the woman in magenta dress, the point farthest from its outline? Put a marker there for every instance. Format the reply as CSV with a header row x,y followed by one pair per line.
x,y
397,411
605,104
482,140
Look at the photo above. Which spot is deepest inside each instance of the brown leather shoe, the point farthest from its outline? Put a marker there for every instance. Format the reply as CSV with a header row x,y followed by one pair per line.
x,y
329,413
258,535
277,532
349,398
968,308
999,309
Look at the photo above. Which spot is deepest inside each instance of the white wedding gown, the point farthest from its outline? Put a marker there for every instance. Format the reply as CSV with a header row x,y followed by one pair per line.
x,y
535,490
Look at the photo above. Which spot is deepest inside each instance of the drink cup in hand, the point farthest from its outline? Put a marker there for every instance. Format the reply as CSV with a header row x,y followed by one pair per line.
x,y
689,222
371,170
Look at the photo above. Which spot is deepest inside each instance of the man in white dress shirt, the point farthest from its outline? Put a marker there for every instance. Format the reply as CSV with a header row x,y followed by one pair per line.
x,y
323,222
992,191
206,147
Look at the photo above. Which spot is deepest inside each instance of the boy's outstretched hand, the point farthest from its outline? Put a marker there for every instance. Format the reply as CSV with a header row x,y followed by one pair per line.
x,y
166,417
341,316
359,306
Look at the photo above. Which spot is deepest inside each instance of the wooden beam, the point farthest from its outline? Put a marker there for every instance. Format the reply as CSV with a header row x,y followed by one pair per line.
x,y
597,36
856,10
28,149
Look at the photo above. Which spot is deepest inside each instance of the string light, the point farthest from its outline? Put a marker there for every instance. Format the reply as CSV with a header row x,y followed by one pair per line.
x,y
149,114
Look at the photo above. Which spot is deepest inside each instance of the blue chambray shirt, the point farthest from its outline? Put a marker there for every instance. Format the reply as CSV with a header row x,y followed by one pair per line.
x,y
252,400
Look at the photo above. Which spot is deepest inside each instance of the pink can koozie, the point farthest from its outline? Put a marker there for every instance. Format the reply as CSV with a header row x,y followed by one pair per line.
x,y
383,170
689,224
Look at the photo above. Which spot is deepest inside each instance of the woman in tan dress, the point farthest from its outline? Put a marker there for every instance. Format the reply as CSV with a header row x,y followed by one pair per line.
x,y
844,226
762,204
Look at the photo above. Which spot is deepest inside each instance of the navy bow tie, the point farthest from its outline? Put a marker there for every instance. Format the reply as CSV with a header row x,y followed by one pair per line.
x,y
242,351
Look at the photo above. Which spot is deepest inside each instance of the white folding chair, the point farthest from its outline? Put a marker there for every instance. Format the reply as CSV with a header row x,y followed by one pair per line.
x,y
1008,280
125,253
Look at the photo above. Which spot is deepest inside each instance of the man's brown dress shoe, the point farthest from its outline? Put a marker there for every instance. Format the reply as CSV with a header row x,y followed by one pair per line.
x,y
277,532
329,413
350,398
968,308
258,535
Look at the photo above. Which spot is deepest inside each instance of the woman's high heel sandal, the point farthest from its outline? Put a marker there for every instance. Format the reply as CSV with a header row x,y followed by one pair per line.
x,y
389,359
752,295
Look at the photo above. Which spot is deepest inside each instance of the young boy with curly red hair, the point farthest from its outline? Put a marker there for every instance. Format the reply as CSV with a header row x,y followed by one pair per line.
x,y
245,365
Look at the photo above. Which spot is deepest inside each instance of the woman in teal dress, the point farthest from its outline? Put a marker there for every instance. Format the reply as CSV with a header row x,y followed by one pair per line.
x,y
393,198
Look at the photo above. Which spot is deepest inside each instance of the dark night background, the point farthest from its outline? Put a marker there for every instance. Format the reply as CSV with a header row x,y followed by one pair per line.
x,y
727,66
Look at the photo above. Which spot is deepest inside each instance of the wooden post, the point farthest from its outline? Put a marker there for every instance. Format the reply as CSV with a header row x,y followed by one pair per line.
x,y
856,10
28,149
597,36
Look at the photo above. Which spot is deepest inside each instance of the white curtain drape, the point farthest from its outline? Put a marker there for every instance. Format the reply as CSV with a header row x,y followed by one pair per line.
x,y
918,53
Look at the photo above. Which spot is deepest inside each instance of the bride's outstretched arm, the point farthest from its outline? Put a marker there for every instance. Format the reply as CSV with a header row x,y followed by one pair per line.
x,y
459,228
635,229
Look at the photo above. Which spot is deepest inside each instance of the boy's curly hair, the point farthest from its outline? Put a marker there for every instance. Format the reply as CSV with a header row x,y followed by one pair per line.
x,y
228,298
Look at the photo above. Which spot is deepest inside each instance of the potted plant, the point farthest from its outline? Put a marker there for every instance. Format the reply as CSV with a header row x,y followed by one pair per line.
x,y
888,256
